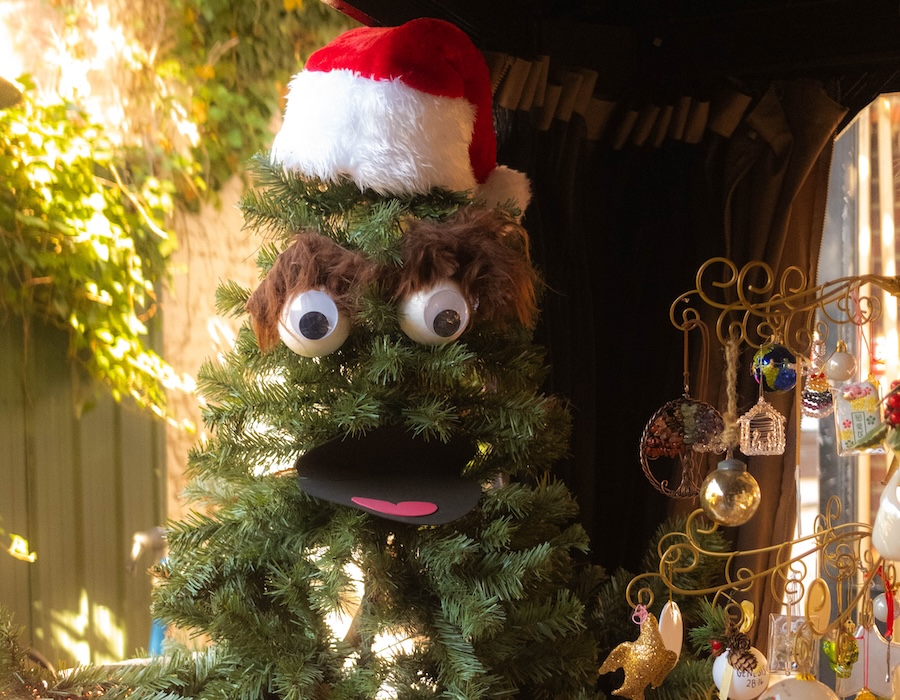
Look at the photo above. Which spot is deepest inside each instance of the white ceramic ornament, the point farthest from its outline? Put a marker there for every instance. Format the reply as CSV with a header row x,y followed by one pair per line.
x,y
886,529
671,627
743,685
880,607
794,688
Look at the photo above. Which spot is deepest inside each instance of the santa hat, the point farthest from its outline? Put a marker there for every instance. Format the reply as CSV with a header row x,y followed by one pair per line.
x,y
400,110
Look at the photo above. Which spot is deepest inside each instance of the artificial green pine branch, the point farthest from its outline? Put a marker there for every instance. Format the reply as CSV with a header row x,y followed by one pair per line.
x,y
715,621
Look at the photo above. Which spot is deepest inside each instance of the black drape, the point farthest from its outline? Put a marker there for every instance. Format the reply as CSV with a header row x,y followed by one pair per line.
x,y
631,196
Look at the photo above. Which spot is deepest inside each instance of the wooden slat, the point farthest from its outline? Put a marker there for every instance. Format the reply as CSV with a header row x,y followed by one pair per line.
x,y
77,485
59,615
14,574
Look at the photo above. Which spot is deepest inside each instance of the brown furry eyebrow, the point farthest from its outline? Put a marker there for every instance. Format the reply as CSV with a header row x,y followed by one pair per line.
x,y
483,251
311,261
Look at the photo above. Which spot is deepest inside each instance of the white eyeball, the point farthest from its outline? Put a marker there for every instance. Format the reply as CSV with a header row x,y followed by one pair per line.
x,y
311,324
435,316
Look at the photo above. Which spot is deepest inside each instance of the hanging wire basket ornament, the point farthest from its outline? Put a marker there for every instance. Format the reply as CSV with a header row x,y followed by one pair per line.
x,y
683,432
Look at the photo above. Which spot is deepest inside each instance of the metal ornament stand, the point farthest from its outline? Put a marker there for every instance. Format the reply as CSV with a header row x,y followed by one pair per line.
x,y
749,305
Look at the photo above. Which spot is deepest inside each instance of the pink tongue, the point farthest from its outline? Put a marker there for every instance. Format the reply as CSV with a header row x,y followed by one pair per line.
x,y
407,509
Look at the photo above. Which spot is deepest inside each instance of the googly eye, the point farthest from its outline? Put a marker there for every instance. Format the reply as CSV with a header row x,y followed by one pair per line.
x,y
311,324
435,316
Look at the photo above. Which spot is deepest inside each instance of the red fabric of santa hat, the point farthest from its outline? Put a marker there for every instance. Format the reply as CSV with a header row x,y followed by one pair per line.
x,y
400,110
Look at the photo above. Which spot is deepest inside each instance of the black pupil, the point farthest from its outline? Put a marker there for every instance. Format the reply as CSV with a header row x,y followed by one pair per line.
x,y
446,323
313,325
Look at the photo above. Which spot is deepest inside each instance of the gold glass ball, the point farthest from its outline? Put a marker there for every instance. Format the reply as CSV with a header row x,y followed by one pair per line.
x,y
730,495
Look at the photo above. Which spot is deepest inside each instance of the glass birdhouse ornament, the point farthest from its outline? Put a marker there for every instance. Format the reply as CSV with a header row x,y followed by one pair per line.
x,y
857,412
762,430
678,436
774,368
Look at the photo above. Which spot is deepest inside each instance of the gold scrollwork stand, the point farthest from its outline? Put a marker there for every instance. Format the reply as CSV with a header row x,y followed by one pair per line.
x,y
752,306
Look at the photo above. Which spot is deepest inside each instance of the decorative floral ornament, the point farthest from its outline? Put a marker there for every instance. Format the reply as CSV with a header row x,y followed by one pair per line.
x,y
857,416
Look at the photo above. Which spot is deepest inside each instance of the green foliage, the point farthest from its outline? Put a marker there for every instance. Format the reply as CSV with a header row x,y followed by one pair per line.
x,y
81,215
82,244
714,626
236,59
179,675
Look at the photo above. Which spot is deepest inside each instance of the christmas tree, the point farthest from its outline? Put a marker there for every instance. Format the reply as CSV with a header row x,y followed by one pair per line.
x,y
388,361
377,513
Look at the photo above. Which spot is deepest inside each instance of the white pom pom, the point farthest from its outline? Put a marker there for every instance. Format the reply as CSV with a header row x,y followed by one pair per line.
x,y
505,186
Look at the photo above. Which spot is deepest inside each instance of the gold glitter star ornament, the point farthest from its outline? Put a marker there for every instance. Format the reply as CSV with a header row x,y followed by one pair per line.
x,y
646,661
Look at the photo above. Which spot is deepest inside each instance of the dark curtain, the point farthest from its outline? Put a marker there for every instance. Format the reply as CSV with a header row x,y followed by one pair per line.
x,y
631,196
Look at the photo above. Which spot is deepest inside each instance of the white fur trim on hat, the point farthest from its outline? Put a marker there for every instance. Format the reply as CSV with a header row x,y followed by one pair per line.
x,y
381,135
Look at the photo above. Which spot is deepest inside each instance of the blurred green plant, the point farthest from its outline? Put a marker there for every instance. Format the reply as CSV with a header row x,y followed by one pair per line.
x,y
84,204
237,58
82,245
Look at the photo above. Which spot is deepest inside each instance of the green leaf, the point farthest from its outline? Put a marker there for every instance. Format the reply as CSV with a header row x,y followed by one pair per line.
x,y
871,439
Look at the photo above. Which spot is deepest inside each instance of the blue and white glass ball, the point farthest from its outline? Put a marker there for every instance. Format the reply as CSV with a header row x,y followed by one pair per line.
x,y
775,368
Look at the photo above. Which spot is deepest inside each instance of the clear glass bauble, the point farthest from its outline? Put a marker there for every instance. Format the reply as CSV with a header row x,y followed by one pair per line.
x,y
729,494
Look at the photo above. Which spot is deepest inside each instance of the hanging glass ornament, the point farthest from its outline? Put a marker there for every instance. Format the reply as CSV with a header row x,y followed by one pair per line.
x,y
730,495
841,366
792,644
878,663
682,431
774,368
856,414
762,430
842,651
816,399
881,608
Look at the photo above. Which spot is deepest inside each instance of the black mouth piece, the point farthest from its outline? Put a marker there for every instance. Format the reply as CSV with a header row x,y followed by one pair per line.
x,y
392,474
